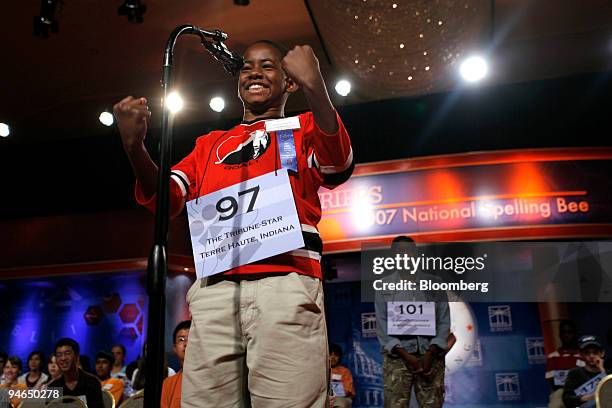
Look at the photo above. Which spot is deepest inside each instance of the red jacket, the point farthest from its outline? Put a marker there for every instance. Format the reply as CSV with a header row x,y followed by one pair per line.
x,y
223,158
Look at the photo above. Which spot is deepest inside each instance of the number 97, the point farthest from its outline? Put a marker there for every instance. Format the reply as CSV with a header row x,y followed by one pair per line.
x,y
230,209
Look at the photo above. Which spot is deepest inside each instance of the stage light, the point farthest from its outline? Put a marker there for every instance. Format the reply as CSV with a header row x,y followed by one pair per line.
x,y
241,2
474,68
217,104
5,130
46,21
343,87
133,10
174,102
106,118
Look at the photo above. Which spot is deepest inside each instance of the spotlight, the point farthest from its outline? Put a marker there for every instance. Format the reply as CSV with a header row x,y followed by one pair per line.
x,y
5,130
46,20
217,104
343,87
174,102
474,68
241,2
107,118
133,10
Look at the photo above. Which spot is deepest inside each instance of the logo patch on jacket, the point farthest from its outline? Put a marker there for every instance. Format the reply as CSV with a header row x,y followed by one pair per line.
x,y
234,150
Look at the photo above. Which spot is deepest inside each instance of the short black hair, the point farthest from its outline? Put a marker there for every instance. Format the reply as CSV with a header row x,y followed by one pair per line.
x,y
185,324
67,341
280,47
335,349
36,352
121,346
4,355
403,243
106,356
16,361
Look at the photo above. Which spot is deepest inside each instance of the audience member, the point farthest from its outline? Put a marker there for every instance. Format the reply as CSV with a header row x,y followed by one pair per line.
x,y
104,363
74,381
53,369
12,370
581,382
171,388
411,360
341,379
119,367
34,378
561,361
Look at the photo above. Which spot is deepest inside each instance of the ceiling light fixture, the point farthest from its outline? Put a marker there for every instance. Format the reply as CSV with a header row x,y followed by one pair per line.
x,y
474,68
5,130
217,104
343,87
46,21
241,2
106,118
133,9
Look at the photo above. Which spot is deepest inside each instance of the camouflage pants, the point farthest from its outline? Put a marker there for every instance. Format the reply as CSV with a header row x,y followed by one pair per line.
x,y
398,381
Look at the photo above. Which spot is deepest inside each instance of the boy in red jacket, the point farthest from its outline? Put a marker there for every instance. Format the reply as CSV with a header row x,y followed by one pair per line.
x,y
258,330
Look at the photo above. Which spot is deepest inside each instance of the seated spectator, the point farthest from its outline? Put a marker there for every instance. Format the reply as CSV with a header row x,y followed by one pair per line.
x,y
561,361
171,389
34,378
581,382
104,363
341,379
119,367
11,371
52,369
74,381
3,360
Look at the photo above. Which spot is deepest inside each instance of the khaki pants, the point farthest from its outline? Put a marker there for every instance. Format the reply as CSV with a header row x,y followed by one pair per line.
x,y
258,343
555,400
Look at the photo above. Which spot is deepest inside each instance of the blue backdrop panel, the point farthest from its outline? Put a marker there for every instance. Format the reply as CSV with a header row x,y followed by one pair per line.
x,y
506,370
97,310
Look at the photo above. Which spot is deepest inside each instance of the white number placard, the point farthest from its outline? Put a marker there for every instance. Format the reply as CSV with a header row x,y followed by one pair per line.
x,y
243,223
411,318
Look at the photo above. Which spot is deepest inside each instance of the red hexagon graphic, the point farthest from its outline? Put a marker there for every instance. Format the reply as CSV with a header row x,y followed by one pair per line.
x,y
93,315
111,303
129,313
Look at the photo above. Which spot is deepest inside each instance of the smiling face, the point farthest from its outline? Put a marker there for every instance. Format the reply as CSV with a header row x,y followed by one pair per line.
x,y
11,372
263,86
66,358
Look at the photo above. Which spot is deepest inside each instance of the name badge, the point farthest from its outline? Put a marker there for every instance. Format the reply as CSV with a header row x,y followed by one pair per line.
x,y
338,388
559,377
282,124
247,222
411,318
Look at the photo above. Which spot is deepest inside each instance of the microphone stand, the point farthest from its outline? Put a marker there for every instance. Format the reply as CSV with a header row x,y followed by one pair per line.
x,y
157,266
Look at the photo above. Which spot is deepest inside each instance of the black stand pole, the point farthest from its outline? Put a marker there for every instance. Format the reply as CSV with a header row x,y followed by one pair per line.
x,y
157,266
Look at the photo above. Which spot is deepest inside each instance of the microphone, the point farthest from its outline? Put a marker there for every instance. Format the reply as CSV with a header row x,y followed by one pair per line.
x,y
231,62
